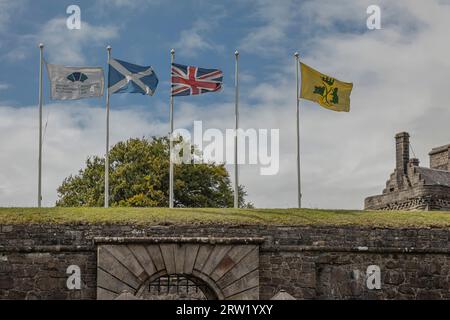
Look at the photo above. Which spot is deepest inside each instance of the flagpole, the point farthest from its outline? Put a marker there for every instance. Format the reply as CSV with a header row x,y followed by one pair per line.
x,y
41,62
296,55
108,48
236,126
172,59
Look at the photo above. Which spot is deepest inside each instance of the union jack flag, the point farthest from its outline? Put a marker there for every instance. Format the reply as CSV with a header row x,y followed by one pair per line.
x,y
188,80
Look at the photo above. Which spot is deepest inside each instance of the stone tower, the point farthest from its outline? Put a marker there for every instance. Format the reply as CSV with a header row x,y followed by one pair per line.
x,y
411,187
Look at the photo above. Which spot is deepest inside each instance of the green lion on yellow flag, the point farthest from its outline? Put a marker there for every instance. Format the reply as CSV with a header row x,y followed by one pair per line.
x,y
327,91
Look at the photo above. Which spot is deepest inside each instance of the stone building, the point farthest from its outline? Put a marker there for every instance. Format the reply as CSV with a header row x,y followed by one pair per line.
x,y
412,187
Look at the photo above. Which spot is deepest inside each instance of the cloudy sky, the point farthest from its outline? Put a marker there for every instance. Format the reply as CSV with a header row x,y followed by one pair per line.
x,y
400,74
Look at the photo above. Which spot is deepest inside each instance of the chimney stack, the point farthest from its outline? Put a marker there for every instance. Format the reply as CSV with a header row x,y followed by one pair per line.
x,y
440,158
402,152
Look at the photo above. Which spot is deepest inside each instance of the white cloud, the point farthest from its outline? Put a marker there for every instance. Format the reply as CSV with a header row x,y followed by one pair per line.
x,y
67,46
4,86
275,18
191,42
196,39
8,10
61,44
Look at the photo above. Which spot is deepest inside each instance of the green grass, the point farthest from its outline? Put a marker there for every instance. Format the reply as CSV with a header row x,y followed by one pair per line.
x,y
164,216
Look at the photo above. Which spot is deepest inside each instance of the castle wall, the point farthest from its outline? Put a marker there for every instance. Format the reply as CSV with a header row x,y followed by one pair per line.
x,y
308,262
421,197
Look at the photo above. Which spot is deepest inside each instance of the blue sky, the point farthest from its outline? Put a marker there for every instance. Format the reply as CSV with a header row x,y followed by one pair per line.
x,y
141,32
399,74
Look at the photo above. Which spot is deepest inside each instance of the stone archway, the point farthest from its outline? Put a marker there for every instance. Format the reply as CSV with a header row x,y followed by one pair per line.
x,y
228,267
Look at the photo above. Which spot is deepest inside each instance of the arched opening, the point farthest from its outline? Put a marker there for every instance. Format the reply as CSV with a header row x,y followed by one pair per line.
x,y
176,287
177,268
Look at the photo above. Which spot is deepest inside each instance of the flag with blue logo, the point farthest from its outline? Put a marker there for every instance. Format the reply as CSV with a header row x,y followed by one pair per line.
x,y
70,83
125,77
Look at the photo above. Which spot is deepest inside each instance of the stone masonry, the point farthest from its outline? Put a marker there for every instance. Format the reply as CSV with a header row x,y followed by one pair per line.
x,y
411,187
308,262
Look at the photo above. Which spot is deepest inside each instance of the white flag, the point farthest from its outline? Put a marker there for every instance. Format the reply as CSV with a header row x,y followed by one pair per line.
x,y
70,83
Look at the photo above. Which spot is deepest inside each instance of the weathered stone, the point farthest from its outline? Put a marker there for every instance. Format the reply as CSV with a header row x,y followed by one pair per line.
x,y
106,261
203,254
47,284
306,273
126,257
141,254
246,265
156,256
7,228
215,257
110,283
251,294
393,277
412,187
191,255
180,255
282,295
250,280
406,289
6,283
168,253
428,295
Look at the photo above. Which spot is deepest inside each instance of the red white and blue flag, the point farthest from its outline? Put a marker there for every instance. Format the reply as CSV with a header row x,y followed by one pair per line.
x,y
188,80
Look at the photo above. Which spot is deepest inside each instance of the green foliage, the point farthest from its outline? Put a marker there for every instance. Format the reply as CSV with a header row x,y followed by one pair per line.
x,y
139,177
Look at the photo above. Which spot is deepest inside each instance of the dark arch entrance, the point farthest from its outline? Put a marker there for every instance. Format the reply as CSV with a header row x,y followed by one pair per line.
x,y
176,287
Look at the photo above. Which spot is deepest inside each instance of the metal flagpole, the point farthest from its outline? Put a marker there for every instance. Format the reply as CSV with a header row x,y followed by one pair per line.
x,y
108,48
236,126
41,56
298,132
172,59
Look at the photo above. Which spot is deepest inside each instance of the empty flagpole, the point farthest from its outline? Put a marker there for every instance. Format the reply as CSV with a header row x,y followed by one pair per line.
x,y
41,63
108,48
236,126
296,55
172,59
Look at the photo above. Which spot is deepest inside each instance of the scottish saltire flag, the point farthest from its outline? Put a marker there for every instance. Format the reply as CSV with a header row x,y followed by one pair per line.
x,y
188,80
71,83
125,77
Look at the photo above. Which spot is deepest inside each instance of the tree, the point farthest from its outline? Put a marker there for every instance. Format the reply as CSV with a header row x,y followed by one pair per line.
x,y
139,177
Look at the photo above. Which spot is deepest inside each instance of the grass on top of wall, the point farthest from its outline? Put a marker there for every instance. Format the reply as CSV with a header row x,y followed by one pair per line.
x,y
165,216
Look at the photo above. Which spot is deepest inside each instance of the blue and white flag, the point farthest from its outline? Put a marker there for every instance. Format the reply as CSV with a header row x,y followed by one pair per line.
x,y
70,83
125,77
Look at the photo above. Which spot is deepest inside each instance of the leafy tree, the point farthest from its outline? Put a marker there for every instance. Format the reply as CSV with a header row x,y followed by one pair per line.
x,y
139,177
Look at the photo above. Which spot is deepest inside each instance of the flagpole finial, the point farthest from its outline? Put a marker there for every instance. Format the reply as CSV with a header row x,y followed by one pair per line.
x,y
236,53
172,51
41,45
296,54
108,48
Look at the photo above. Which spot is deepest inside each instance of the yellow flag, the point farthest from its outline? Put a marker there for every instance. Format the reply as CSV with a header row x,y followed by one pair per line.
x,y
329,92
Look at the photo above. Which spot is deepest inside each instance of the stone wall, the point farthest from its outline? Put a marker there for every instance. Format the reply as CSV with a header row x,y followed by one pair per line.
x,y
440,158
417,198
308,262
